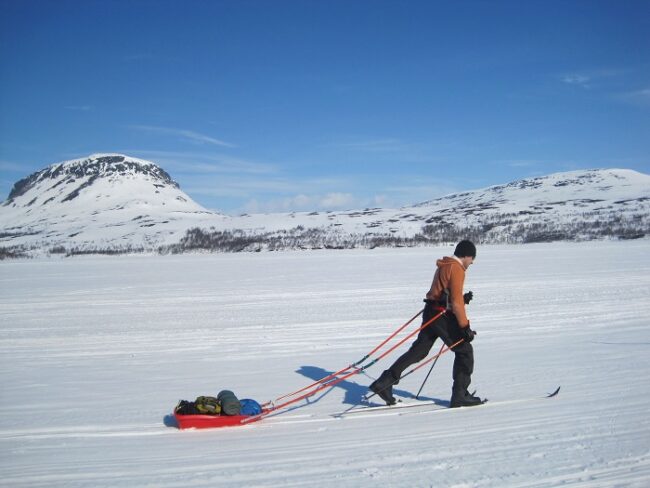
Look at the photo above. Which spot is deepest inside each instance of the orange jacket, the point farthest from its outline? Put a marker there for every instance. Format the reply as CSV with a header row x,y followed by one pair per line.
x,y
450,276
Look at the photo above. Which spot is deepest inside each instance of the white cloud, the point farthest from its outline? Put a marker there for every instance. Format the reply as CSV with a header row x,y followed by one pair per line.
x,y
593,78
297,203
188,135
303,202
80,108
203,163
637,97
522,163
373,145
238,186
577,79
265,188
336,201
394,197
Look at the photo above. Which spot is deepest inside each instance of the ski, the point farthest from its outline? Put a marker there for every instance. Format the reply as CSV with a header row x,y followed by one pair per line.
x,y
429,406
365,404
377,408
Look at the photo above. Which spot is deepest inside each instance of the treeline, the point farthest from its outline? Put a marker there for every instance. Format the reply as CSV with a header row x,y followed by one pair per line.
x,y
498,229
12,253
432,234
299,237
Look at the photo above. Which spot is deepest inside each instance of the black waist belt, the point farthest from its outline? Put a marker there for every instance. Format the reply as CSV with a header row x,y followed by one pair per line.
x,y
435,303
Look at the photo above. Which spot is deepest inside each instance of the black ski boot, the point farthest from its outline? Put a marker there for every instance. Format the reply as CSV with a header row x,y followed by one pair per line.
x,y
463,398
383,386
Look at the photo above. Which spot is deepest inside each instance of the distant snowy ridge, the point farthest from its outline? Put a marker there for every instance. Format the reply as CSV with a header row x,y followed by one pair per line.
x,y
113,203
578,205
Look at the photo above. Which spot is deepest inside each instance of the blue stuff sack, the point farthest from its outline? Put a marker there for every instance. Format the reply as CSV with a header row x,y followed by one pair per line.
x,y
250,407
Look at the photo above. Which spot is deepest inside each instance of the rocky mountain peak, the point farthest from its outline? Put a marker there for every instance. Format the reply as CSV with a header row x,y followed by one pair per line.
x,y
88,170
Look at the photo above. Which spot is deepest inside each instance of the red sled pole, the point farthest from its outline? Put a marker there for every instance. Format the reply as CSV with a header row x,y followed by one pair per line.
x,y
336,380
353,365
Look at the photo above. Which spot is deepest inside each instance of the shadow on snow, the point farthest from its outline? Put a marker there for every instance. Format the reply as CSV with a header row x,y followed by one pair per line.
x,y
354,392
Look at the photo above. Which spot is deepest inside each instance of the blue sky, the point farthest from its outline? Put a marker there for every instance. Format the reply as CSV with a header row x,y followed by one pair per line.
x,y
274,105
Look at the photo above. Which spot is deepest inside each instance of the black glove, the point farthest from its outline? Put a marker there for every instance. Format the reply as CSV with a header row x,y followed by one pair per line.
x,y
467,297
467,333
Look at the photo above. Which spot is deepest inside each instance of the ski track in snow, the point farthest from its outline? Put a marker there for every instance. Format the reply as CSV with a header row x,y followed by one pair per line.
x,y
96,351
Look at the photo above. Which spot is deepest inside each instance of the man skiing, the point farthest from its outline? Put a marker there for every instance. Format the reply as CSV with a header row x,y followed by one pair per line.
x,y
446,294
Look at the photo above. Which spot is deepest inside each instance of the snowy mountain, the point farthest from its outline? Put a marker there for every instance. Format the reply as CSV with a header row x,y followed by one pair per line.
x,y
113,203
107,202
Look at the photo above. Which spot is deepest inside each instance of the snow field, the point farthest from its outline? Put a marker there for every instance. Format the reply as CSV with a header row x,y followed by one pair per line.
x,y
96,351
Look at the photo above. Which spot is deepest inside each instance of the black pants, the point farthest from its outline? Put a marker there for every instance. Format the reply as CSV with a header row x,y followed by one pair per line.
x,y
446,328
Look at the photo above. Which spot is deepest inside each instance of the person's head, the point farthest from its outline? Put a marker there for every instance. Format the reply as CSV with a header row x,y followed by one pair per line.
x,y
466,252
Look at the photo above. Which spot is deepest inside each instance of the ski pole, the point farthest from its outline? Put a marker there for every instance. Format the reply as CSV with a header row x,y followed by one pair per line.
x,y
341,371
432,358
431,369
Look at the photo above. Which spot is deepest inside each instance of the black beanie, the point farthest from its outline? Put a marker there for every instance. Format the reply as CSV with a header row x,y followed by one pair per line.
x,y
465,249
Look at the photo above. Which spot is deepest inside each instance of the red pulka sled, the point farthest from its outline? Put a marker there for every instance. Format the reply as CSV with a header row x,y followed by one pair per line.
x,y
193,421
210,421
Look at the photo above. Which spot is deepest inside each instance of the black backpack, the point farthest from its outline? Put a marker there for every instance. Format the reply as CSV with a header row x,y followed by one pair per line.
x,y
186,408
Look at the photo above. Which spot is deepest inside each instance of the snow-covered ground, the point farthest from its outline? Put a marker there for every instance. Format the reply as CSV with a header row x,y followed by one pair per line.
x,y
95,352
